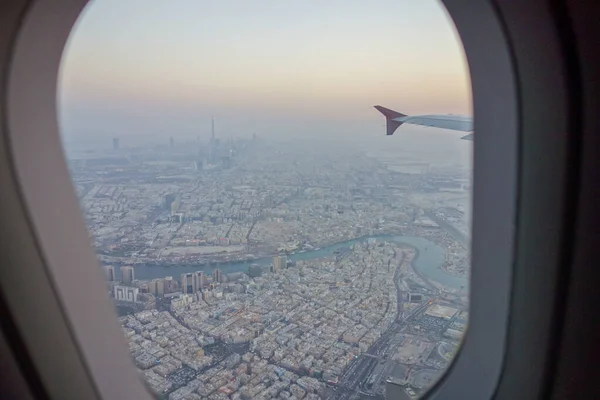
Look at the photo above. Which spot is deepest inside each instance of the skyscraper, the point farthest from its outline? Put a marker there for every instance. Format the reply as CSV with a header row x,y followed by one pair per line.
x,y
213,145
152,287
193,282
279,263
172,142
109,272
200,280
127,276
160,288
217,276
168,284
115,143
188,283
212,133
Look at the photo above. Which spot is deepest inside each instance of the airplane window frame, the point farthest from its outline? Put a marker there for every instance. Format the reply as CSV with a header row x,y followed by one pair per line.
x,y
53,244
476,369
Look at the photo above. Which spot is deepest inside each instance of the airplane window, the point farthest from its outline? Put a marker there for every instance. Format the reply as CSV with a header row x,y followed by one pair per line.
x,y
260,234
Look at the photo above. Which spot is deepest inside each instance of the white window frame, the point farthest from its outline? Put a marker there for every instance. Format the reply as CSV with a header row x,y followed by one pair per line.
x,y
57,299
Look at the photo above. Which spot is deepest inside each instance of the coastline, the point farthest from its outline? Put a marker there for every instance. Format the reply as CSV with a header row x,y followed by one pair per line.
x,y
456,274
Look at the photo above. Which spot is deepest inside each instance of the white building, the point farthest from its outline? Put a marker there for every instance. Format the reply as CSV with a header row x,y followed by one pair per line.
x,y
181,301
126,293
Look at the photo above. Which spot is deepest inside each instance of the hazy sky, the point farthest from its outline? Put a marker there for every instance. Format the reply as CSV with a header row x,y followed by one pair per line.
x,y
160,68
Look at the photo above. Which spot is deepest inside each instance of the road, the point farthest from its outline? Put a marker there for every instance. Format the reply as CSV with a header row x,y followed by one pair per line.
x,y
355,375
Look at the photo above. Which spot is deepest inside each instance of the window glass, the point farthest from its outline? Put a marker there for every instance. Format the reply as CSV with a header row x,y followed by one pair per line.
x,y
260,234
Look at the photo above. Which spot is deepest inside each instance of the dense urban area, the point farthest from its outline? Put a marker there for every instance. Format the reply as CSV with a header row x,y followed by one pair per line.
x,y
255,269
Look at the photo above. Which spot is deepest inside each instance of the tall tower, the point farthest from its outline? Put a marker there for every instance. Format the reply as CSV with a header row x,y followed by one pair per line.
x,y
115,144
109,272
127,275
279,263
152,286
212,135
168,285
188,283
217,276
160,288
200,280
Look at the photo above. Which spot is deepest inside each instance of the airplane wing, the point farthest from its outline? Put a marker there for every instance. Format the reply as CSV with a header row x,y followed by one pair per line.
x,y
454,122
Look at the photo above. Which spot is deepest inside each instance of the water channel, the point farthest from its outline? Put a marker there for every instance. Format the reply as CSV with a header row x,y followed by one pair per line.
x,y
428,261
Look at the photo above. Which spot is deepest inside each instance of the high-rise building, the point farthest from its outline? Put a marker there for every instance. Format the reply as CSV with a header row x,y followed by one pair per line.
x,y
172,142
213,145
127,275
109,272
152,287
279,263
193,282
160,288
217,276
115,143
188,283
200,280
169,285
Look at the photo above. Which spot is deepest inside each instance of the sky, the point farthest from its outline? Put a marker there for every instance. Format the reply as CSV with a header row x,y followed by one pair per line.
x,y
151,69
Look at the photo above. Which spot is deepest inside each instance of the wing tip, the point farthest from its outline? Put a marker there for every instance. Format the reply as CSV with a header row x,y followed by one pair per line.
x,y
389,115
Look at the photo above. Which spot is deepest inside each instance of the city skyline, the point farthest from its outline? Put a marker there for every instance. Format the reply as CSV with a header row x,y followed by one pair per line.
x,y
160,69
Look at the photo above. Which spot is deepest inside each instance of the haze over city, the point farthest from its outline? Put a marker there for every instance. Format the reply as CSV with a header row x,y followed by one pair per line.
x,y
260,235
293,68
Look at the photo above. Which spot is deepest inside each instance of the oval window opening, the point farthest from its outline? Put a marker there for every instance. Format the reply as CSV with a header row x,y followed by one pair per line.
x,y
260,234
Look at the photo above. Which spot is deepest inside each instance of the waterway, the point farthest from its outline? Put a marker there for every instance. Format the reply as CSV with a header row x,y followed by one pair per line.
x,y
428,261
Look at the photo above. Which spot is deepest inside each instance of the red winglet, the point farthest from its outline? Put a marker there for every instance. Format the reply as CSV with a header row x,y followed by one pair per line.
x,y
389,116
